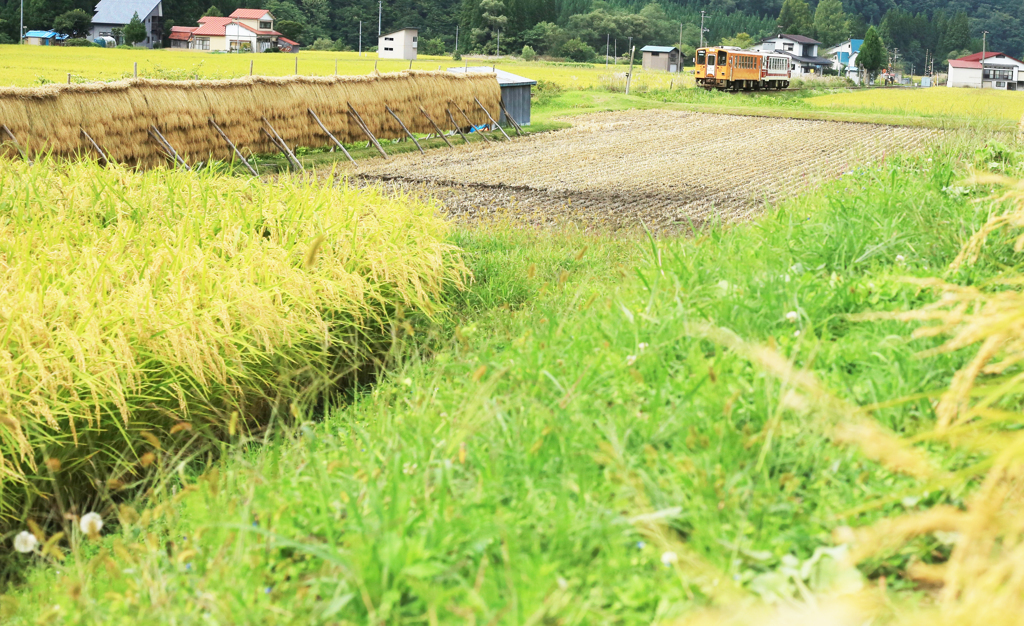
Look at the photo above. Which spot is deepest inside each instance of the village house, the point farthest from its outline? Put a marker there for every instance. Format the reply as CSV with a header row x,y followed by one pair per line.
x,y
401,44
802,52
113,15
661,58
844,58
245,30
997,71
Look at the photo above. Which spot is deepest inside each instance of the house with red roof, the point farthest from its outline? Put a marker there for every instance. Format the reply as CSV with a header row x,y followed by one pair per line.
x,y
996,70
245,30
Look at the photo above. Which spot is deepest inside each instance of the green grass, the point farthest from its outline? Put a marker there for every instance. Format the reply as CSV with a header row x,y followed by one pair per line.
x,y
531,458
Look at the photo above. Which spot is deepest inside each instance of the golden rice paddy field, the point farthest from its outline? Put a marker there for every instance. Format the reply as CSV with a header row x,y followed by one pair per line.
x,y
937,101
590,174
28,66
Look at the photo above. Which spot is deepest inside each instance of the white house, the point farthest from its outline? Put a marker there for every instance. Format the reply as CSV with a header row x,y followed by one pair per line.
x,y
998,71
844,58
111,14
802,51
400,44
245,30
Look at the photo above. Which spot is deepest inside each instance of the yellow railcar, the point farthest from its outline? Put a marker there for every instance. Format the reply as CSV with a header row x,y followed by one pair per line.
x,y
731,68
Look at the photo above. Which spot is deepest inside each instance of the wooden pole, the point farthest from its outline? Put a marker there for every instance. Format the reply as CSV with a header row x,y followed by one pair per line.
x,y
402,124
335,67
17,146
136,69
103,156
283,146
492,119
629,77
508,116
69,78
333,138
366,129
440,133
470,122
234,149
296,65
168,148
456,124
250,67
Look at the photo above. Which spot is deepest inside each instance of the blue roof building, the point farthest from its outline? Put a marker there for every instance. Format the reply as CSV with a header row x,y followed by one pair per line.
x,y
44,38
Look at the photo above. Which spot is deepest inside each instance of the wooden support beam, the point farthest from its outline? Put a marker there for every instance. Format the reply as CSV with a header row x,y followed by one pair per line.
x,y
234,149
103,155
366,129
436,127
470,122
492,119
508,116
333,138
17,146
406,129
155,133
456,124
296,164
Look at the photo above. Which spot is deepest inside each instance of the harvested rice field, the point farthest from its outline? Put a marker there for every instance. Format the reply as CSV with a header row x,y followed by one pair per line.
x,y
596,175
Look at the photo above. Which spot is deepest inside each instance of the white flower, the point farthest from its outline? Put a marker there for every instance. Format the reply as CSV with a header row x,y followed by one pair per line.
x,y
91,523
631,359
668,559
796,334
25,542
793,317
900,260
642,346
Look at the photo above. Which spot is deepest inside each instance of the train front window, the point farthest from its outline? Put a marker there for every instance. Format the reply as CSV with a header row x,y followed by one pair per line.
x,y
722,55
711,59
701,57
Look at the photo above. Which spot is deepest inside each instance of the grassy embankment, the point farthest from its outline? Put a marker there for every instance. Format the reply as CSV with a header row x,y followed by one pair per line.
x,y
590,438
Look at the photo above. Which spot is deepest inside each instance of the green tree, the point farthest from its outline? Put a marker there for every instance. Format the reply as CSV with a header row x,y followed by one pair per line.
x,y
529,54
795,18
492,20
135,31
872,54
291,30
546,38
578,50
958,33
831,24
741,40
213,11
75,23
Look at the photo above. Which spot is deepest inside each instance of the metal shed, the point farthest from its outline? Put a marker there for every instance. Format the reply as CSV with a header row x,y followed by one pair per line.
x,y
663,58
516,92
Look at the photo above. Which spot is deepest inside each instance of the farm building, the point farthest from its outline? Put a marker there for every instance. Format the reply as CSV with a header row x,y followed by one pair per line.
x,y
661,58
802,52
287,45
516,92
180,35
115,14
44,38
997,71
401,44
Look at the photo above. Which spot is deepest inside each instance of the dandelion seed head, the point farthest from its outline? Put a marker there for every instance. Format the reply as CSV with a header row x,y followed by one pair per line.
x,y
25,542
91,523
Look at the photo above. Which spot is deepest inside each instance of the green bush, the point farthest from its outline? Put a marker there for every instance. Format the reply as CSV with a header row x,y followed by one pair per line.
x,y
529,54
323,43
578,50
78,43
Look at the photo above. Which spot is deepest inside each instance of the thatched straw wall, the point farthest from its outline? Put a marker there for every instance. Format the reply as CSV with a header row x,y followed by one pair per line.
x,y
118,115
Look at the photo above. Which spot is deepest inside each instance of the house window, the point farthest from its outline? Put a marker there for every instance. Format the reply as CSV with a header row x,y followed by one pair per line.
x,y
998,74
389,39
788,47
201,43
389,49
266,25
415,39
655,54
1001,85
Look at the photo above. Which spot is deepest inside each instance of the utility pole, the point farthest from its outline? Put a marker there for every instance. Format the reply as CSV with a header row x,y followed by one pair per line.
x,y
456,37
380,15
607,49
360,38
702,31
984,49
21,32
616,51
498,47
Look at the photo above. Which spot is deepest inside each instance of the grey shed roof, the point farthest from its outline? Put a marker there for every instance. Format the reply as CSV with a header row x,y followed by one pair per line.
x,y
121,11
505,79
658,49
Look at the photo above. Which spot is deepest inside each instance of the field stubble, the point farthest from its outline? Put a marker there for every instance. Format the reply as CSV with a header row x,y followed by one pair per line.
x,y
664,170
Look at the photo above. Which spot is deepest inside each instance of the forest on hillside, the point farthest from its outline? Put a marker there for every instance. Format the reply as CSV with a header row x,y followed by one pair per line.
x,y
583,30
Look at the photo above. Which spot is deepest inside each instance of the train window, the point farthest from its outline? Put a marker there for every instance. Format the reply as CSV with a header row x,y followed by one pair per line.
x,y
701,57
711,59
722,56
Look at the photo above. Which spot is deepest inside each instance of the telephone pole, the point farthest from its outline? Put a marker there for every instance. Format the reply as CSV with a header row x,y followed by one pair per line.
x,y
456,37
702,31
984,42
360,38
380,15
21,32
